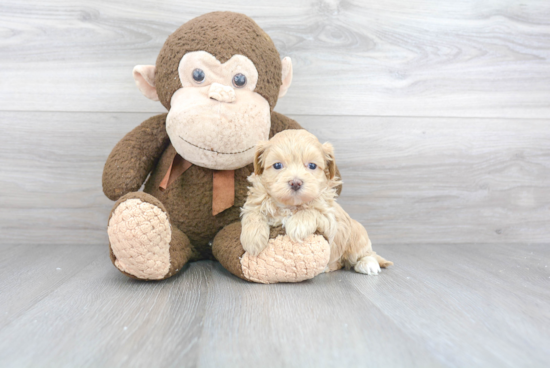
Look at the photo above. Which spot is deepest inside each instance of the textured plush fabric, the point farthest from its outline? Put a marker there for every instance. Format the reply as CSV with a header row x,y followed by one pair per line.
x,y
188,200
134,156
280,262
181,252
211,126
147,150
143,243
286,261
137,228
241,35
227,249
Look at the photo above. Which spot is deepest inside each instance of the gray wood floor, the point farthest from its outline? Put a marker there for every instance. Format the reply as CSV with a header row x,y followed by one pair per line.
x,y
439,113
440,306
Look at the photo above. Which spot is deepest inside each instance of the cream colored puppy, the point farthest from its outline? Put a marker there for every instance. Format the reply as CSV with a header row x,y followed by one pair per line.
x,y
294,185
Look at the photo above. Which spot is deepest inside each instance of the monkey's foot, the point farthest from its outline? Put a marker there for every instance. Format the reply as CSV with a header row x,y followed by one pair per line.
x,y
282,261
143,243
140,233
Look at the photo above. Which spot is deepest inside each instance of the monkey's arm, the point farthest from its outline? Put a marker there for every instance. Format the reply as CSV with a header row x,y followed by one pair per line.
x,y
280,122
134,156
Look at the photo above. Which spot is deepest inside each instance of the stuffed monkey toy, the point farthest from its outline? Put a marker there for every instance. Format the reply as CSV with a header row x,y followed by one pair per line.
x,y
219,76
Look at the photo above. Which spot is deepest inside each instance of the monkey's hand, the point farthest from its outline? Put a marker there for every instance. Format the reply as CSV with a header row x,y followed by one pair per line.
x,y
301,225
254,235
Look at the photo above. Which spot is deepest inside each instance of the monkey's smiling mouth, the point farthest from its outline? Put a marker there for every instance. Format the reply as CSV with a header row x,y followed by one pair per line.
x,y
212,150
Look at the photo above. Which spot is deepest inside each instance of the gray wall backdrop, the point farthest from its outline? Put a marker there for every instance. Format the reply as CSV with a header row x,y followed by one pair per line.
x,y
439,110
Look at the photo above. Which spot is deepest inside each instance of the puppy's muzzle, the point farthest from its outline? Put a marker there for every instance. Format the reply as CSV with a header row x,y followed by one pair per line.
x,y
295,184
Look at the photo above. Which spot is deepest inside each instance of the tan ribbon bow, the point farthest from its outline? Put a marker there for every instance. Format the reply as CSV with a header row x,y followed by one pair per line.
x,y
223,195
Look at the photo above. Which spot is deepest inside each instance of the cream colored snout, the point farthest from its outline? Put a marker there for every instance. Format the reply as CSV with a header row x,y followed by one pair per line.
x,y
221,93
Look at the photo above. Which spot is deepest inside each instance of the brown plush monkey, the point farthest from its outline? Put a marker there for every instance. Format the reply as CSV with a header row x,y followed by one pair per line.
x,y
219,76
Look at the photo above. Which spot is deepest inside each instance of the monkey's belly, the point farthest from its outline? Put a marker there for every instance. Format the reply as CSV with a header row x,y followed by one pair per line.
x,y
188,201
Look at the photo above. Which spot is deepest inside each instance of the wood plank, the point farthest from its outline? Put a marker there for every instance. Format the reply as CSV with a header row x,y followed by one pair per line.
x,y
29,273
408,180
100,317
470,305
428,180
51,169
103,318
402,57
320,323
440,305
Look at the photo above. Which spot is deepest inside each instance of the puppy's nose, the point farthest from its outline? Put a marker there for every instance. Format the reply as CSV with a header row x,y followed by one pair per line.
x,y
295,184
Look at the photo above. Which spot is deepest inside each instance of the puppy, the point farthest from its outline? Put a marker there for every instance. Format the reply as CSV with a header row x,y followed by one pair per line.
x,y
294,185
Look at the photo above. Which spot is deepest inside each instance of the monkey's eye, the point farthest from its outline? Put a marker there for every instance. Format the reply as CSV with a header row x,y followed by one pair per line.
x,y
312,166
198,75
239,80
277,166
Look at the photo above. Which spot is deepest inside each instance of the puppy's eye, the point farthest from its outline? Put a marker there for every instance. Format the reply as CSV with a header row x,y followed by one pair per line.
x,y
277,166
198,75
239,80
312,166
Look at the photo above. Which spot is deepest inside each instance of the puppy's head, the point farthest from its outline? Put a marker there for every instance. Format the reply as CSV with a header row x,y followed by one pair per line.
x,y
294,166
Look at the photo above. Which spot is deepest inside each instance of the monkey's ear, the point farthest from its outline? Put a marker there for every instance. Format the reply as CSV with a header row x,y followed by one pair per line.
x,y
287,76
258,164
144,75
329,157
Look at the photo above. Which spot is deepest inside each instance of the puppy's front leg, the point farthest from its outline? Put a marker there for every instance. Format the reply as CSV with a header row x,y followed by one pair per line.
x,y
254,233
301,225
327,226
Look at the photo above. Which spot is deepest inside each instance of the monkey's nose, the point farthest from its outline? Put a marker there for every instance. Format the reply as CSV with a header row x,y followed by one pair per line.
x,y
295,184
221,93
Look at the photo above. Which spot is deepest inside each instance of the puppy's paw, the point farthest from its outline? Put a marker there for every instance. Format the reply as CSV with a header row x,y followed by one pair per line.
x,y
298,231
299,228
323,225
367,265
254,237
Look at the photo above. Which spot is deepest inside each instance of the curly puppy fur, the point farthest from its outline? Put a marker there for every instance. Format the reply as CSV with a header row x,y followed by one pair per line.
x,y
294,185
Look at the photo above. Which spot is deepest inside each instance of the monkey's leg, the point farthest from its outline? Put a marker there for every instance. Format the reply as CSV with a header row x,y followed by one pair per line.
x,y
143,244
282,261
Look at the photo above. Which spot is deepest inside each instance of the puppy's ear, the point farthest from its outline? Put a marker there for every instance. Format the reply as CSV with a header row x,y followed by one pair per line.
x,y
330,170
258,159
